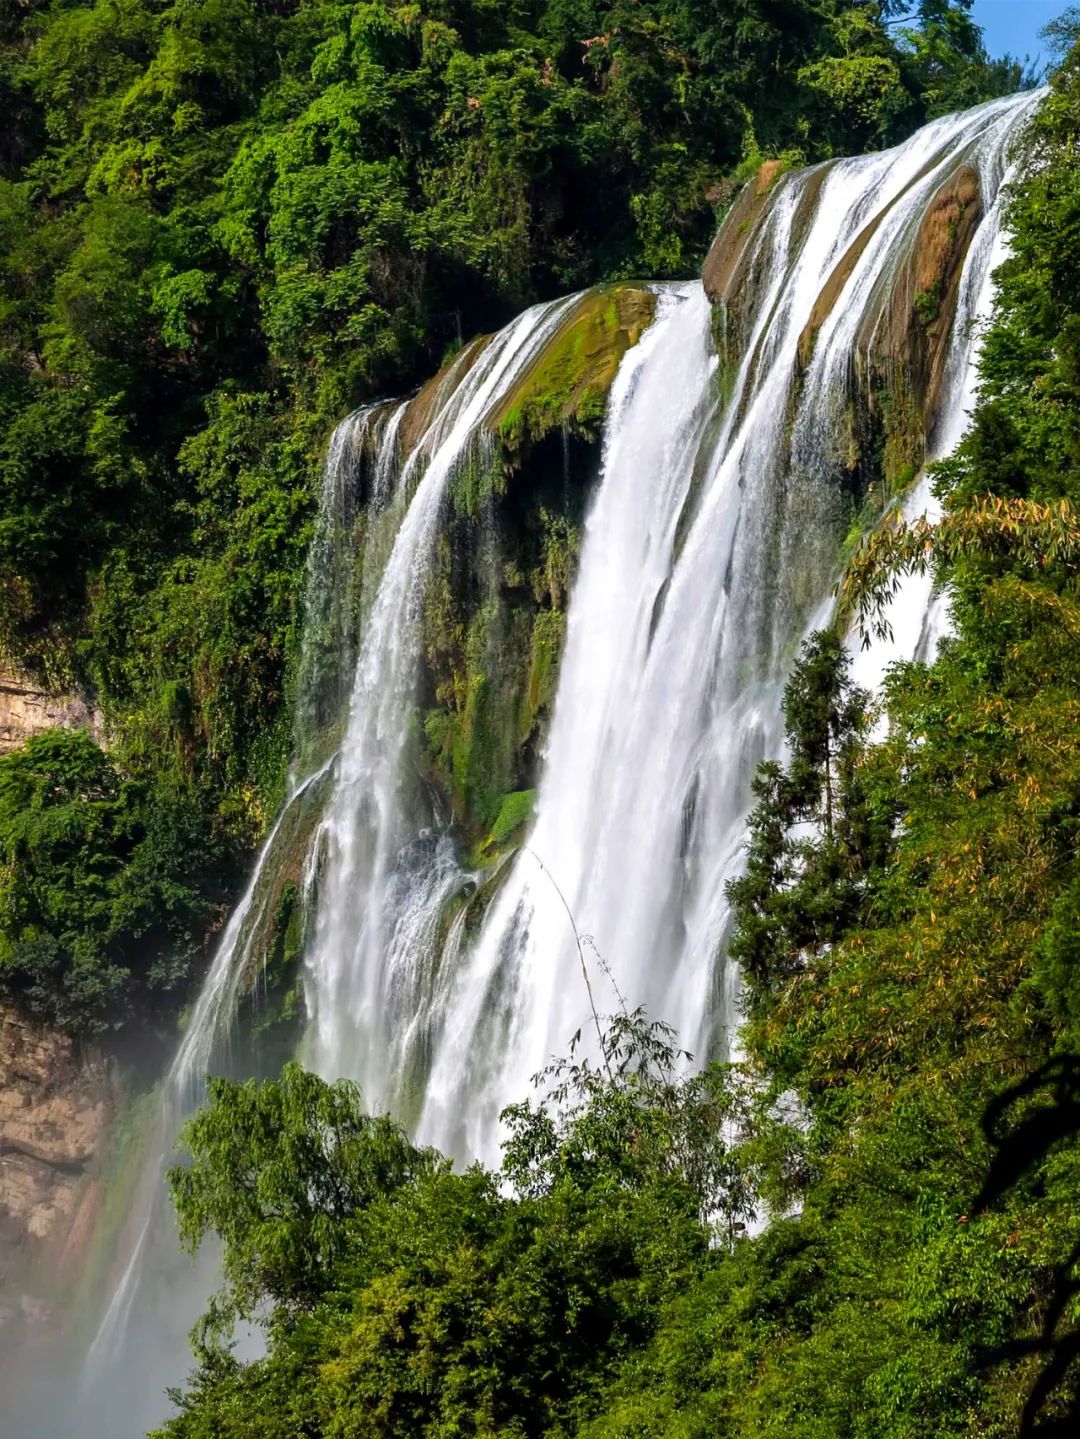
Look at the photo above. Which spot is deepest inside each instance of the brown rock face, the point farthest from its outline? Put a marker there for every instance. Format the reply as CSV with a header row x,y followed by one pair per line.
x,y
727,250
26,711
914,324
55,1107
425,403
899,355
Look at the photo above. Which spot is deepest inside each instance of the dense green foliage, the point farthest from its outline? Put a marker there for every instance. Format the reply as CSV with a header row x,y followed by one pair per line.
x,y
224,223
96,908
412,1300
909,1108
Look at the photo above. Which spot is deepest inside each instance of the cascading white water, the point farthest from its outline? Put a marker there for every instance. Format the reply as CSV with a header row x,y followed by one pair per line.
x,y
709,549
376,897
140,1344
918,616
709,546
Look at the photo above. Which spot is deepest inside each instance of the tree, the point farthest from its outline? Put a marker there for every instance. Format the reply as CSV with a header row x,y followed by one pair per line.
x,y
813,834
404,1299
277,1169
94,908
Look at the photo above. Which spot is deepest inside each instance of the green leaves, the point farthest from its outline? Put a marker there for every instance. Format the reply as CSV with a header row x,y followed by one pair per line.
x,y
1029,536
94,907
814,834
403,1299
277,1169
209,201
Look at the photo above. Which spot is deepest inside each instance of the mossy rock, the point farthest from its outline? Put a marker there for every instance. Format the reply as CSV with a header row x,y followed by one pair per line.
x,y
569,380
515,812
548,634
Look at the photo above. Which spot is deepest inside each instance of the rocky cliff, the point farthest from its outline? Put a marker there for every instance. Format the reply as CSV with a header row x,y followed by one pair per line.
x,y
56,1103
26,710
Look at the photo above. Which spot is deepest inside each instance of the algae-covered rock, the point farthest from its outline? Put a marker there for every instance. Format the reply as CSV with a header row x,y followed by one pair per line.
x,y
830,292
493,628
913,331
737,266
905,339
514,814
568,382
493,616
900,349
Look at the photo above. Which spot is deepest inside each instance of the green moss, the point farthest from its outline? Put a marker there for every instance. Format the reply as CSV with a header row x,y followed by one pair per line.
x,y
514,813
479,477
491,706
928,304
727,367
472,736
559,539
493,633
549,629
282,992
902,423
568,382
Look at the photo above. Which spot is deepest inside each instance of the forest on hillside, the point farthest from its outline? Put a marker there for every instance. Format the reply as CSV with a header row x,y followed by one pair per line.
x,y
906,1111
223,225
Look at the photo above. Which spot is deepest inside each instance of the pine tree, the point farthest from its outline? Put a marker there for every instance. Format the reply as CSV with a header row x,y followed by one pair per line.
x,y
813,833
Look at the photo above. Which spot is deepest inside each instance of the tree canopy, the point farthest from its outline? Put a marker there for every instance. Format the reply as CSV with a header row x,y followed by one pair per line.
x,y
97,909
868,1227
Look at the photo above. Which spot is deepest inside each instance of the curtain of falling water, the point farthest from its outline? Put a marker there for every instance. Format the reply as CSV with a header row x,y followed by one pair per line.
x,y
708,550
140,1345
711,543
379,894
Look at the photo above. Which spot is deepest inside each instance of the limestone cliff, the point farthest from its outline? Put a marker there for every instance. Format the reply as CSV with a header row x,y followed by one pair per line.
x,y
26,710
494,613
56,1103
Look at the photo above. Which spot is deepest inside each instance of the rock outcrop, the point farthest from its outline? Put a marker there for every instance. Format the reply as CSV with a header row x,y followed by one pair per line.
x,y
56,1104
26,710
728,250
899,355
567,383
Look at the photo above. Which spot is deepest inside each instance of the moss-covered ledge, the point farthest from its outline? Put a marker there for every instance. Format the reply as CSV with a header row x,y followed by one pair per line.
x,y
494,613
728,249
569,380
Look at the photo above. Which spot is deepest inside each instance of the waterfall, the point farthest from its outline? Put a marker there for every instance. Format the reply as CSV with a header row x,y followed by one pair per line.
x,y
710,548
377,897
918,616
140,1345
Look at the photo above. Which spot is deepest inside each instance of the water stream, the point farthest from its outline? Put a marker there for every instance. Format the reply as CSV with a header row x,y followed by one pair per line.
x,y
710,548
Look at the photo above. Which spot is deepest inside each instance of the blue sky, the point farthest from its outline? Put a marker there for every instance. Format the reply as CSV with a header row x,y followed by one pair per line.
x,y
1014,25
